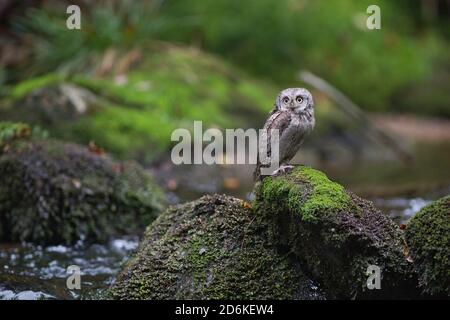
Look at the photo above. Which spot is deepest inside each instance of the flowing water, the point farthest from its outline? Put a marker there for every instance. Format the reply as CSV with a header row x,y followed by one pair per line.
x,y
35,272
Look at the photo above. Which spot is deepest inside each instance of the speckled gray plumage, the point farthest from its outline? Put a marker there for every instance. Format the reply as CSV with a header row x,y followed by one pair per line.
x,y
293,116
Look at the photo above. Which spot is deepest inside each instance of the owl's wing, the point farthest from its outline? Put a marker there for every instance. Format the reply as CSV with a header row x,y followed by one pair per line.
x,y
278,120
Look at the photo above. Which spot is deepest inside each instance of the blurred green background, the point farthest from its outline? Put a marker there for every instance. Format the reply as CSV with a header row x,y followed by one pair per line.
x,y
402,67
137,70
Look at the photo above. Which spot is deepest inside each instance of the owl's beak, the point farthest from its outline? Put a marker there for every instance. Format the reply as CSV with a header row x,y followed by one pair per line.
x,y
295,109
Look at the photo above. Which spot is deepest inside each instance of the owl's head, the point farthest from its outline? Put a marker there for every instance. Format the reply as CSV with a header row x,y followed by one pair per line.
x,y
298,100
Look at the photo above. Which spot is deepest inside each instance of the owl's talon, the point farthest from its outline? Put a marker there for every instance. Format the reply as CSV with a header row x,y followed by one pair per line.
x,y
283,170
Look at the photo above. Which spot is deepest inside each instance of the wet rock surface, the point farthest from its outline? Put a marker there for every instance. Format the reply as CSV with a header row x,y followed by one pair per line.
x,y
53,192
335,235
304,237
213,248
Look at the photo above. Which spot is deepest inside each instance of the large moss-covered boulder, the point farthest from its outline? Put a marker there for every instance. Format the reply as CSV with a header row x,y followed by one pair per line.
x,y
300,224
52,192
335,235
213,248
428,238
131,107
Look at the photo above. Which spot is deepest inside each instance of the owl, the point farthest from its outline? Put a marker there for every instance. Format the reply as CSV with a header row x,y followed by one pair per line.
x,y
293,116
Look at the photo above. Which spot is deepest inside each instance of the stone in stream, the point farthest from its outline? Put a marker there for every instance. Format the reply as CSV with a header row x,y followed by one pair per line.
x,y
54,192
213,248
302,231
428,238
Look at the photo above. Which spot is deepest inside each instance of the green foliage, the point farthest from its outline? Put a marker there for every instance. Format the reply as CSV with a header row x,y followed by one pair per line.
x,y
170,88
389,69
329,38
23,88
429,95
105,24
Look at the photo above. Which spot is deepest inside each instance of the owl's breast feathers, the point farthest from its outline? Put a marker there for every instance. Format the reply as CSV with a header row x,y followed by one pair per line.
x,y
291,138
292,129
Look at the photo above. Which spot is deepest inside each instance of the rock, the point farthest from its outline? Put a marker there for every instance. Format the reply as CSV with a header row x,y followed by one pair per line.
x,y
212,248
53,192
428,238
52,105
335,235
305,237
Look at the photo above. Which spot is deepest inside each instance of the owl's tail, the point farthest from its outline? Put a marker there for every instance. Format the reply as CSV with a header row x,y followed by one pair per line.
x,y
257,173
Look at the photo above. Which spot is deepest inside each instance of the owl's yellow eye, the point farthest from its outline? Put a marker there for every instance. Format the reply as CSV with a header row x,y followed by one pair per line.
x,y
299,99
285,100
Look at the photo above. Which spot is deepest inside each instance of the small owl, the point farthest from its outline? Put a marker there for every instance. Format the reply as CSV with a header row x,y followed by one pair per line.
x,y
293,116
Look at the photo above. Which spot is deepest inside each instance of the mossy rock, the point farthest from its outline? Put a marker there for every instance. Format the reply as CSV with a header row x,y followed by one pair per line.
x,y
132,113
335,235
428,239
52,192
302,231
213,248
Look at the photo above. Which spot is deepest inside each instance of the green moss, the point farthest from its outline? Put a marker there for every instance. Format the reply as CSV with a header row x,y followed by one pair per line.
x,y
211,248
201,252
323,195
428,238
20,90
256,272
333,232
136,111
126,132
